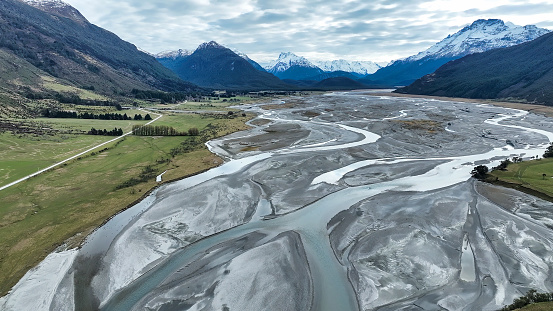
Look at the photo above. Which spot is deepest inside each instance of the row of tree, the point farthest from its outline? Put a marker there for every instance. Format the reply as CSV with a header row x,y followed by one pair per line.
x,y
163,96
161,130
104,132
86,115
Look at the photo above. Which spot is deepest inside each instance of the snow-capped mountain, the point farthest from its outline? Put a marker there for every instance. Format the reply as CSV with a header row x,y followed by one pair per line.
x,y
173,54
57,7
293,67
358,67
482,35
286,60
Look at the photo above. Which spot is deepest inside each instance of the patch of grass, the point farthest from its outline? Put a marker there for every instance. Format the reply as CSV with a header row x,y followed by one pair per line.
x,y
86,124
24,154
40,214
542,306
530,175
205,105
184,121
279,106
249,148
429,126
52,84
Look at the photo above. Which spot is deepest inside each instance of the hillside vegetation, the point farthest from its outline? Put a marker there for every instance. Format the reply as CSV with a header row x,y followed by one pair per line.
x,y
77,51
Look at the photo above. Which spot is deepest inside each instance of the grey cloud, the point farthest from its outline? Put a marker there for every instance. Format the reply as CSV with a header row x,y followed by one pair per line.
x,y
377,28
514,9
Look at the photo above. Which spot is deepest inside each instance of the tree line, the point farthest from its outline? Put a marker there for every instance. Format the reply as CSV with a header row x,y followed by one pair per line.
x,y
104,132
161,130
163,96
86,115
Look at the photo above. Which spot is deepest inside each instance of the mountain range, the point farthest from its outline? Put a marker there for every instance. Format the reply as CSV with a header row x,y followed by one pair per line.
x,y
482,35
294,67
44,43
360,68
522,71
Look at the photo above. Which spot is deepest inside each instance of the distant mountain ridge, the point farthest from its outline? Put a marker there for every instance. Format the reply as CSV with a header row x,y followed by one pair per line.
x,y
291,66
523,72
357,67
482,35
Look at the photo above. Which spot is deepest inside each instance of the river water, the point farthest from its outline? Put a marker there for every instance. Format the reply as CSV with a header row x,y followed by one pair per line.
x,y
346,201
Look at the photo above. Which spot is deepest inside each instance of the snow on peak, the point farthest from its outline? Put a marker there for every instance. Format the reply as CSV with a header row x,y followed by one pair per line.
x,y
359,67
480,36
210,45
59,8
47,3
184,53
173,54
286,60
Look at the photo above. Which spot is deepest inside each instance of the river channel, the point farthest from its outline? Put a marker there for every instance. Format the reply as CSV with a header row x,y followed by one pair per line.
x,y
342,201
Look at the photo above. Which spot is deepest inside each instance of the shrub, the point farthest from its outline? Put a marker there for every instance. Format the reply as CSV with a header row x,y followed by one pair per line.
x,y
479,172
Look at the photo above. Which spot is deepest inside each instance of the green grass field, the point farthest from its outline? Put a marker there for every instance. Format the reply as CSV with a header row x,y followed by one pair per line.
x,y
21,155
530,174
68,202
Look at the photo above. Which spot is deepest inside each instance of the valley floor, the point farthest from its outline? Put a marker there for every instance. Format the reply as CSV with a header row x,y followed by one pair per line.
x,y
338,201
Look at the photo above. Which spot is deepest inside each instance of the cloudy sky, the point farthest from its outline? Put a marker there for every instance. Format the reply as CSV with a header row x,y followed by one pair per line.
x,y
376,30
